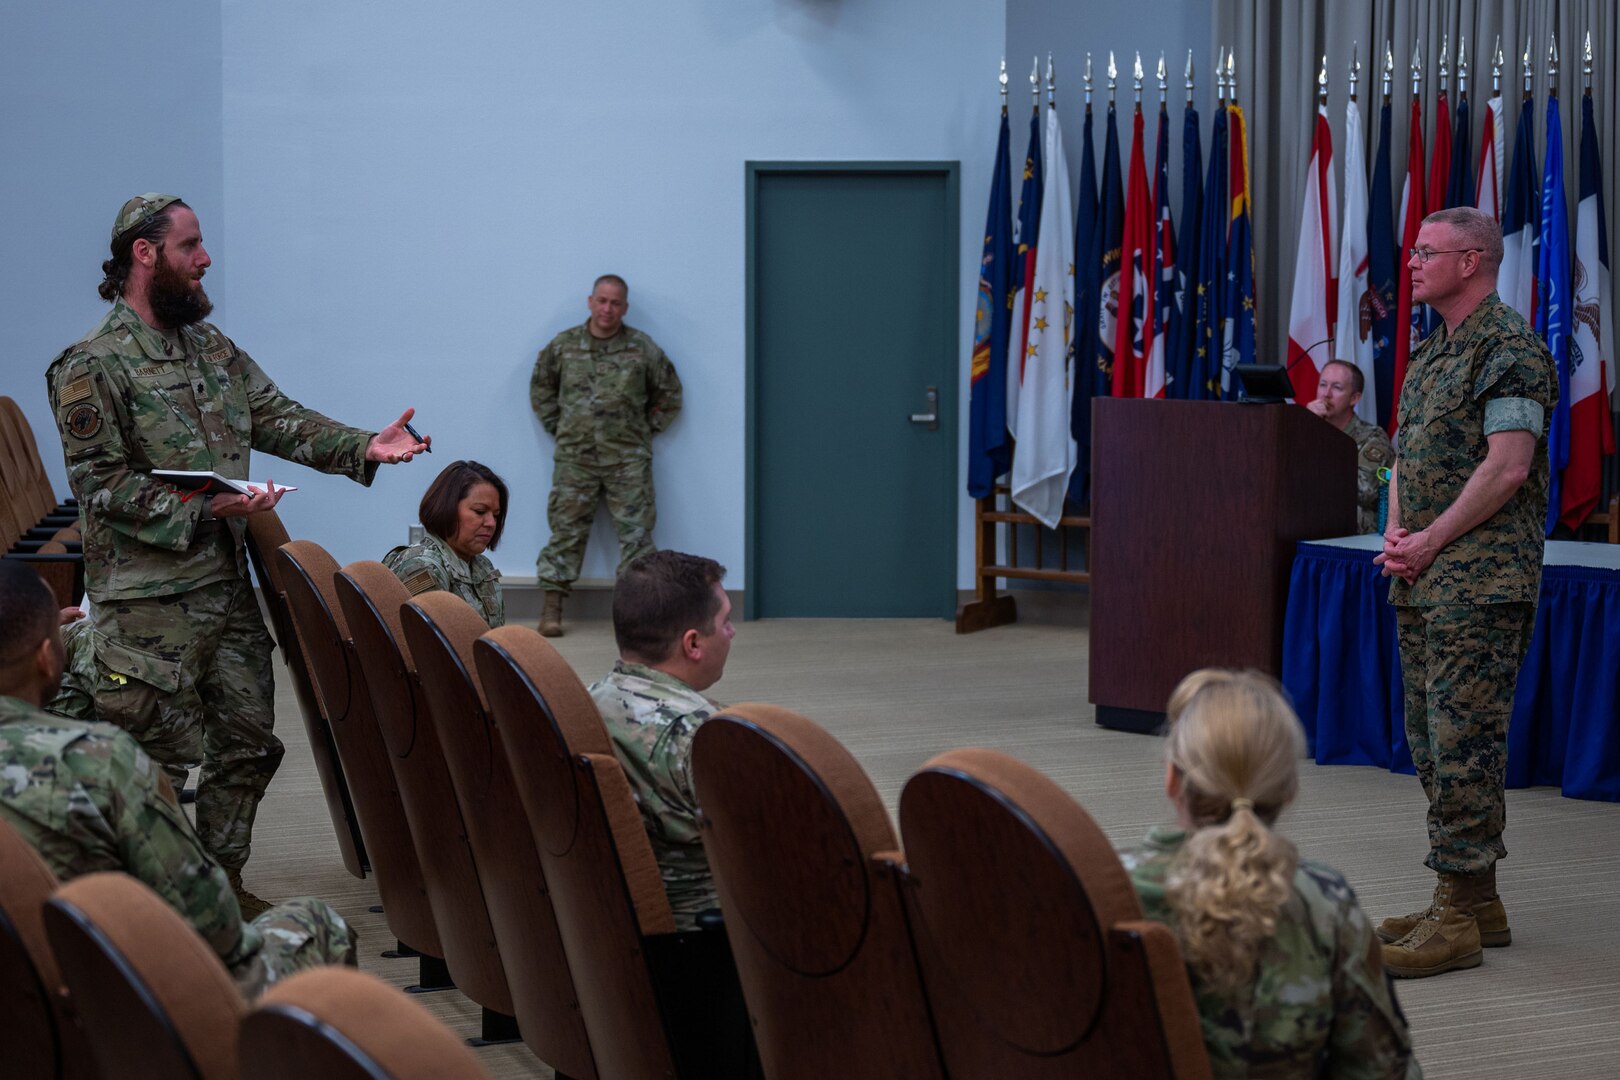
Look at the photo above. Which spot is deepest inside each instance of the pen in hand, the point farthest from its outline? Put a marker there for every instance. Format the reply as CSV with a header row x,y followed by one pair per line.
x,y
418,437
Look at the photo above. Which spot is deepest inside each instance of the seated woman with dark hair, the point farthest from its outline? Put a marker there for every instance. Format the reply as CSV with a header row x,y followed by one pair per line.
x,y
1283,962
464,512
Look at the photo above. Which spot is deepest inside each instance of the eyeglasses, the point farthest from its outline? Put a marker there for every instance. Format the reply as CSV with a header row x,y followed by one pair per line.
x,y
1423,255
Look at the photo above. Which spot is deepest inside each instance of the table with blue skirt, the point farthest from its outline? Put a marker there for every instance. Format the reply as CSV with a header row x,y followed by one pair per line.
x,y
1342,664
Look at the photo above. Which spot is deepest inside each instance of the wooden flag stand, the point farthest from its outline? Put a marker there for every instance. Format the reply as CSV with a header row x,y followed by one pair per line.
x,y
990,608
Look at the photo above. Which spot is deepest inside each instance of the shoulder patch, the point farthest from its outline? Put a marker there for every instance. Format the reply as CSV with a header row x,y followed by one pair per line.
x,y
83,420
218,355
421,582
73,393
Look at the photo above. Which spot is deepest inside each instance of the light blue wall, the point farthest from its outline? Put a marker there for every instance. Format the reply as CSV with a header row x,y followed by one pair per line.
x,y
97,103
419,195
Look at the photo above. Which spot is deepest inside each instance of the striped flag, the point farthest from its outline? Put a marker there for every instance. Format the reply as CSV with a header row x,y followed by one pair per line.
x,y
1025,232
1045,458
1554,308
989,446
1353,335
1521,222
1488,193
1133,326
1591,348
1407,316
1164,263
1313,310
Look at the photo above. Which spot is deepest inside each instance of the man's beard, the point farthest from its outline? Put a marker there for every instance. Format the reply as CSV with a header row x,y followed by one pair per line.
x,y
175,299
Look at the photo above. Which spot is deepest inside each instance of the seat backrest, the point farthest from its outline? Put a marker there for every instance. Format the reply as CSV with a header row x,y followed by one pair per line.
x,y
441,628
599,865
265,534
18,507
43,1040
32,480
153,999
805,860
1037,959
307,573
371,597
334,1023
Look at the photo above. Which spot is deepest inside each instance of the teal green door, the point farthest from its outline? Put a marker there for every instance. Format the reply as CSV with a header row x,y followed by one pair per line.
x,y
853,294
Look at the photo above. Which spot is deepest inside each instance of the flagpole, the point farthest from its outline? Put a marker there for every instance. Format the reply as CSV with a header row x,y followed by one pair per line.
x,y
1164,84
1322,84
1496,68
1136,78
1355,68
1051,84
1529,74
1190,76
1445,53
1389,68
1086,79
1003,81
1035,84
1552,65
1231,76
1586,64
1220,77
1417,68
1462,69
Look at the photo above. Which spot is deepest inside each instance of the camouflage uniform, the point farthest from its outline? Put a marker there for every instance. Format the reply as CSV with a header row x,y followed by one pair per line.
x,y
1320,1004
87,797
652,718
1373,452
182,655
433,565
1465,623
603,399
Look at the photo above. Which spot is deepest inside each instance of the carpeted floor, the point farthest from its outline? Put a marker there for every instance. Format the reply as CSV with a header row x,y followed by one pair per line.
x,y
897,692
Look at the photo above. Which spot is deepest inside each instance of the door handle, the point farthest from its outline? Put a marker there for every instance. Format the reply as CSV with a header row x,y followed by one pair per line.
x,y
931,417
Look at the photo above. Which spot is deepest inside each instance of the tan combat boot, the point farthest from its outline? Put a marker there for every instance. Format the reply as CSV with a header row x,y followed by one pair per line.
x,y
551,617
1488,912
1446,938
252,907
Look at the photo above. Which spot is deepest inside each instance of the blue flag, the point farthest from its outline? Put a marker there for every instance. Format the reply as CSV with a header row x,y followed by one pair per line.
x,y
1381,267
1084,342
1555,307
1182,315
989,446
1105,246
1209,307
1240,313
1460,180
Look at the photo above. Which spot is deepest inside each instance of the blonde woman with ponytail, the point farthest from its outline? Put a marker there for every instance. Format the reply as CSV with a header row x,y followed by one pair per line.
x,y
1284,964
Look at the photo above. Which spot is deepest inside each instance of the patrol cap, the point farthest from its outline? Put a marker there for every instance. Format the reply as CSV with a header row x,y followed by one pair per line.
x,y
138,211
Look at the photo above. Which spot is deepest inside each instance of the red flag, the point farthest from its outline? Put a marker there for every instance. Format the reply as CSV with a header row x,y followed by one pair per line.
x,y
1313,311
1489,197
1133,328
1406,319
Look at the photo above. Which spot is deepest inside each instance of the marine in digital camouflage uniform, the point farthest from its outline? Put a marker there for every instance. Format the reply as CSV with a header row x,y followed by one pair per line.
x,y
1373,452
433,565
1320,1005
652,718
603,389
88,798
181,654
1465,616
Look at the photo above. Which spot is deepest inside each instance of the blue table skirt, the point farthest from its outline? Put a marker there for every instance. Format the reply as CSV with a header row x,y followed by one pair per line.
x,y
1341,663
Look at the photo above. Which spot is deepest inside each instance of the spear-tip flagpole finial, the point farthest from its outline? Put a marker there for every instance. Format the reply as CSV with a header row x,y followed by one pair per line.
x,y
1003,81
1586,60
1552,63
1164,78
1051,82
1231,73
1355,67
1189,76
1462,64
1085,78
1445,50
1220,74
1417,66
1113,75
1136,76
1529,70
1497,60
1321,78
1389,65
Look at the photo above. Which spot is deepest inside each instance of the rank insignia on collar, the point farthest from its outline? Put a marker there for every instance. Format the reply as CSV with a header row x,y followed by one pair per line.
x,y
420,582
83,421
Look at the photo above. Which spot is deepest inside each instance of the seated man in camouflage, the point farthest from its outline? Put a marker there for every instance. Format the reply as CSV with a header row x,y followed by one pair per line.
x,y
88,798
672,621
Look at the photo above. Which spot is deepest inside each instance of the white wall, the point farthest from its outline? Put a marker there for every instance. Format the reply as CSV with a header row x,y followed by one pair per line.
x,y
100,102
419,195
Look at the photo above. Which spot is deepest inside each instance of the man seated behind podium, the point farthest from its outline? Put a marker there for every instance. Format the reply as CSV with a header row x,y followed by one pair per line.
x,y
88,798
672,622
1337,393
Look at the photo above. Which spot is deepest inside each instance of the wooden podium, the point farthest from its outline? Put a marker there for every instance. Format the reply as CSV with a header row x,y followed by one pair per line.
x,y
1196,507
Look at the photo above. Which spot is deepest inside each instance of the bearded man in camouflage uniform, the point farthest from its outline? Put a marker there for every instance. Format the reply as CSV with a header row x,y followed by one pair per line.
x,y
672,622
1337,393
1464,542
182,657
603,389
88,799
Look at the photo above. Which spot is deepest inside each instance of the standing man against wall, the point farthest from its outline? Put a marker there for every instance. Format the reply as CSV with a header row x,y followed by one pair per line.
x,y
1337,392
181,658
1464,543
603,389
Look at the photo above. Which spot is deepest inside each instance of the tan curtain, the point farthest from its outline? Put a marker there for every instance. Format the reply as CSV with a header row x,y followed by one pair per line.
x,y
1279,47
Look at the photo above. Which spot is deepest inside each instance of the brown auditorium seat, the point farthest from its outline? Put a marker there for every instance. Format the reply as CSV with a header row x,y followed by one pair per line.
x,y
657,1002
1033,947
334,1023
371,597
266,533
307,574
43,1041
153,999
441,629
808,872
32,528
32,465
